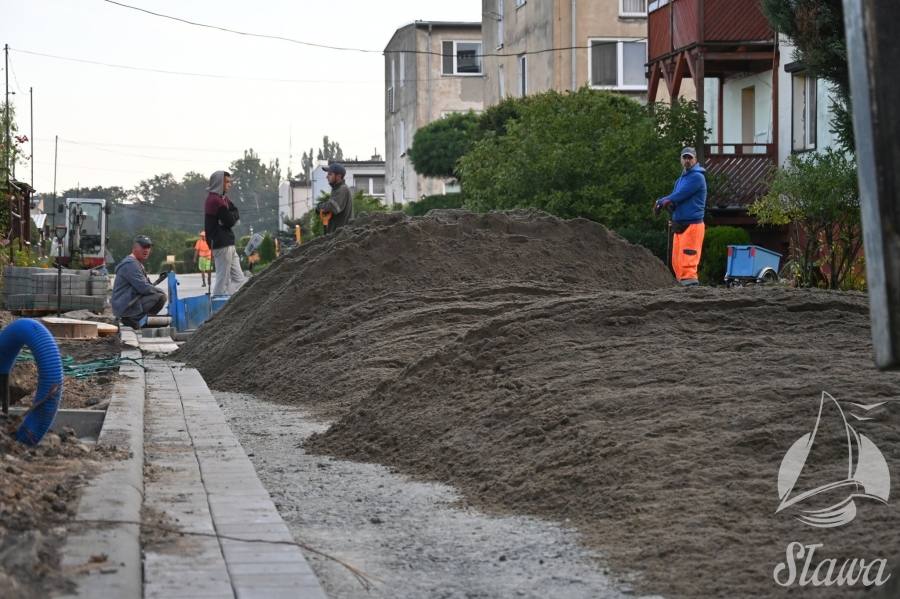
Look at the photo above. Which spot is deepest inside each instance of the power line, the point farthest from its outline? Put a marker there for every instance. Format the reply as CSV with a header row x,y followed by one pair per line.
x,y
15,78
100,143
362,50
272,37
135,155
184,73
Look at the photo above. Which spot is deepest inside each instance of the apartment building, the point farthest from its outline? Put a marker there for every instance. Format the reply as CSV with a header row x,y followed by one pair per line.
x,y
532,46
432,69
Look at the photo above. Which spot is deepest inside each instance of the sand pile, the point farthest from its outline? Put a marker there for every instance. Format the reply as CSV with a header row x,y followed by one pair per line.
x,y
335,317
654,421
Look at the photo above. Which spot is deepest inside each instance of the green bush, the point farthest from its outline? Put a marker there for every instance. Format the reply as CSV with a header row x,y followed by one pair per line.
x,y
267,250
436,202
714,257
652,239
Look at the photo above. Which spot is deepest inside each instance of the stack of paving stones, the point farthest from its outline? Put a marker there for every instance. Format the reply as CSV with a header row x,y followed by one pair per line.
x,y
26,288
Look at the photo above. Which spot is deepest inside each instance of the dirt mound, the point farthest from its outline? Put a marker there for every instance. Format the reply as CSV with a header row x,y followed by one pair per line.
x,y
655,421
335,317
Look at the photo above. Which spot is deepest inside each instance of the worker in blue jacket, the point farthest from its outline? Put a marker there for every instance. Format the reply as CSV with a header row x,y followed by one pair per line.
x,y
689,200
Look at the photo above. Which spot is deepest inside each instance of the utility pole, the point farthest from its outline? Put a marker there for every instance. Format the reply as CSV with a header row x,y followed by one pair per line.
x,y
31,139
6,144
55,150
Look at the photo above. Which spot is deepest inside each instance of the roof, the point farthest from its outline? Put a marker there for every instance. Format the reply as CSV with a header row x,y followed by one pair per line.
x,y
39,220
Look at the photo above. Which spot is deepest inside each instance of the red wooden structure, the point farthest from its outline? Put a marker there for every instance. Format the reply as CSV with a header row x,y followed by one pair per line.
x,y
719,39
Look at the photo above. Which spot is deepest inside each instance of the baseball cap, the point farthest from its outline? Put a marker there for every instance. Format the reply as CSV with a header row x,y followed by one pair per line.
x,y
143,241
335,167
688,152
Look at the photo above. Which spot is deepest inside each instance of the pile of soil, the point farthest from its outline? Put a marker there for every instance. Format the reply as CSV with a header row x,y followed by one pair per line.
x,y
334,318
548,368
90,393
38,498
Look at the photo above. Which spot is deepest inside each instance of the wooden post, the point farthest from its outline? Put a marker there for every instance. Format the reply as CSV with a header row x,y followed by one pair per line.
x,y
873,43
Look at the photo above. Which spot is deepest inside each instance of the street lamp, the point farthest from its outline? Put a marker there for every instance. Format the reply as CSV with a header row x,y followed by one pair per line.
x,y
61,231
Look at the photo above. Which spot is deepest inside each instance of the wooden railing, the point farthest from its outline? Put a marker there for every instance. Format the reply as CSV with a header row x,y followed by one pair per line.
x,y
737,174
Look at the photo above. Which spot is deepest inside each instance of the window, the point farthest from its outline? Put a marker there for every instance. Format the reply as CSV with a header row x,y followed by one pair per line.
x,y
618,64
451,187
372,185
390,92
520,3
522,87
402,67
804,113
656,4
501,82
500,24
402,138
461,58
632,8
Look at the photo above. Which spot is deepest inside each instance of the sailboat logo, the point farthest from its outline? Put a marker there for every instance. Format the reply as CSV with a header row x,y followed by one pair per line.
x,y
867,473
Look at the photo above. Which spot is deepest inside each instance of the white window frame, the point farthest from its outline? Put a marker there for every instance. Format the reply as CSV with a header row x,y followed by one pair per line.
x,y
620,62
456,72
810,115
520,3
402,67
656,5
522,75
622,12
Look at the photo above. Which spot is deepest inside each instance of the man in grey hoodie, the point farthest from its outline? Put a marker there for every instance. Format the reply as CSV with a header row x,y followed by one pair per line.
x,y
220,215
133,295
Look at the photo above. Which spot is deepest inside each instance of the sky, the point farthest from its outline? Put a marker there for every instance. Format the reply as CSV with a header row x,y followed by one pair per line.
x,y
120,126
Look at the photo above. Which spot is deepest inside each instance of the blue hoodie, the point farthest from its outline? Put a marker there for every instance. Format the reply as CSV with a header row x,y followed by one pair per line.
x,y
689,196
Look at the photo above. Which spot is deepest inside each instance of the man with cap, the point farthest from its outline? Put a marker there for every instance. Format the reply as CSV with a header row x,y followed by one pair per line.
x,y
202,254
220,215
689,202
340,205
133,295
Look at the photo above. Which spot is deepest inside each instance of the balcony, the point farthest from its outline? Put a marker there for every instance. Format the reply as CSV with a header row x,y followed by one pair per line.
x,y
678,25
738,173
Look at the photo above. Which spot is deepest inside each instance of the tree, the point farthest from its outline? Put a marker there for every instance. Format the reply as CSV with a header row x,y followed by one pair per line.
x,y
819,194
592,154
255,191
439,145
436,202
306,163
330,151
10,148
816,29
267,253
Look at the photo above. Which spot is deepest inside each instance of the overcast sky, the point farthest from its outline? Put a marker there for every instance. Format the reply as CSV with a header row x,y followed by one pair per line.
x,y
121,126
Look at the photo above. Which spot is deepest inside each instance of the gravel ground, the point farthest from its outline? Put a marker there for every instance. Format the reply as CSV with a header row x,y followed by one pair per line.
x,y
417,538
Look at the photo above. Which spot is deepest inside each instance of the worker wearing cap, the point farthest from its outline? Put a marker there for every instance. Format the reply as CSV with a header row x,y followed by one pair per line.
x,y
340,205
133,295
202,255
689,200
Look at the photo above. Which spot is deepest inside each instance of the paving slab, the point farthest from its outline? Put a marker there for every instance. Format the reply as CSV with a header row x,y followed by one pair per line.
x,y
196,465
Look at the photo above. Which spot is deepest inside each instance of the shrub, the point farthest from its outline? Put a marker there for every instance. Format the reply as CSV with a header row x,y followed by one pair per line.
x,y
267,252
714,257
652,239
436,202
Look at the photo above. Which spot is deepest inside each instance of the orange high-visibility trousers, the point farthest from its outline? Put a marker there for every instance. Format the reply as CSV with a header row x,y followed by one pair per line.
x,y
686,249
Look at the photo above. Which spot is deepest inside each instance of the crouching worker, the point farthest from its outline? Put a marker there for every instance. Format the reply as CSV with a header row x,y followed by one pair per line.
x,y
133,295
689,200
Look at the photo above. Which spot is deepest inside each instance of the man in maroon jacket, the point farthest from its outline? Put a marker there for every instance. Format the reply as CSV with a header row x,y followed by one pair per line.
x,y
220,216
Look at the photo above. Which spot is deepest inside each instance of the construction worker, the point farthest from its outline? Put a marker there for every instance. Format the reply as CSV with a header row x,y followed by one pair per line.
x,y
202,255
338,210
220,215
689,201
133,295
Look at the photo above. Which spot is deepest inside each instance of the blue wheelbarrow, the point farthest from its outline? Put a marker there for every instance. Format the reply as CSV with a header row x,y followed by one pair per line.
x,y
751,264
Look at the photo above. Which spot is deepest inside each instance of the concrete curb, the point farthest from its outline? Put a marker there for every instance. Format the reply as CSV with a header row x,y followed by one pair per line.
x,y
115,495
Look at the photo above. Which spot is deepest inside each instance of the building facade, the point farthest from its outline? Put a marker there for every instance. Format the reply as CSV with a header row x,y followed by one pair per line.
x,y
432,69
533,46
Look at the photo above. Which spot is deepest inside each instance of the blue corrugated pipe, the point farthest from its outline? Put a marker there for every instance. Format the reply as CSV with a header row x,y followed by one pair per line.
x,y
50,374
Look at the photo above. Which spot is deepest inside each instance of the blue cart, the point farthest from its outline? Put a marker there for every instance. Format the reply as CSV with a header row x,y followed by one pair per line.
x,y
189,313
751,264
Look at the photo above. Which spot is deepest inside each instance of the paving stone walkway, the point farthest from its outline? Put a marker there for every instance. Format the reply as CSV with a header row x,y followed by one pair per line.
x,y
198,478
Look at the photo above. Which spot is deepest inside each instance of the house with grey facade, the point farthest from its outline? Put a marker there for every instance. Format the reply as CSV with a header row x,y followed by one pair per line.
x,y
432,69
